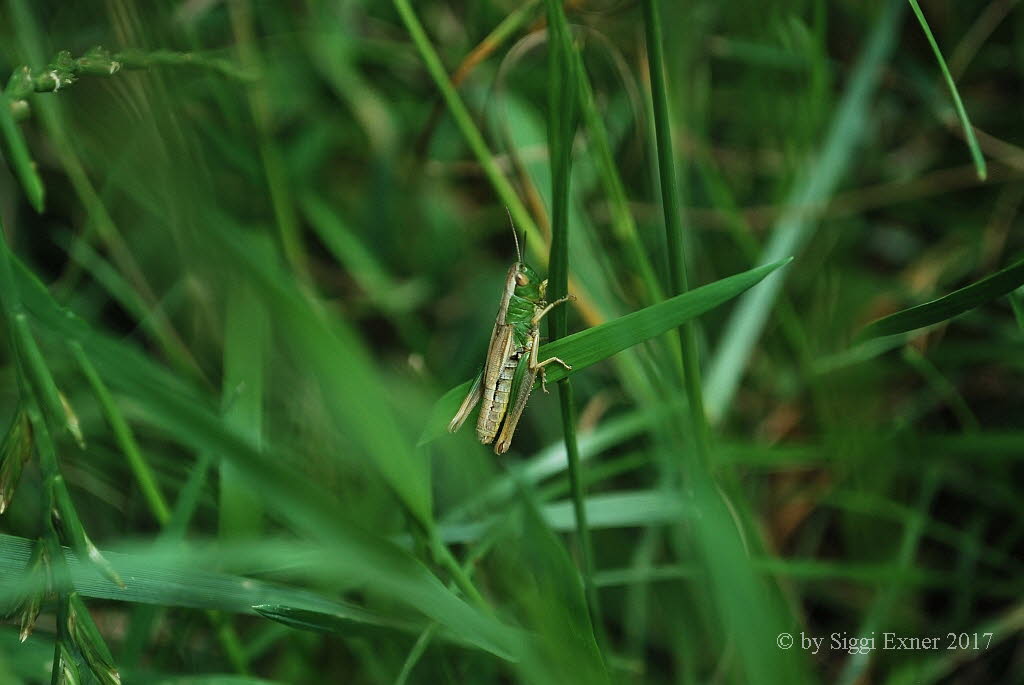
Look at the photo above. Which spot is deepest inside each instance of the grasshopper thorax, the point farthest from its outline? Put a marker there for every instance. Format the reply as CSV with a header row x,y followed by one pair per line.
x,y
529,285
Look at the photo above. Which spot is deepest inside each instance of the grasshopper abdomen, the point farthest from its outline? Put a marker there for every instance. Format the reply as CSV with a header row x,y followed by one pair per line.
x,y
495,400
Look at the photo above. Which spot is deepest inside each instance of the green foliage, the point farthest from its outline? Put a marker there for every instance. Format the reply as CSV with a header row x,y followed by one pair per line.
x,y
247,247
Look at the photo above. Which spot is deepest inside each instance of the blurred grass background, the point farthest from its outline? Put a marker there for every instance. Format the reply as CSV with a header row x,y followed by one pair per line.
x,y
282,253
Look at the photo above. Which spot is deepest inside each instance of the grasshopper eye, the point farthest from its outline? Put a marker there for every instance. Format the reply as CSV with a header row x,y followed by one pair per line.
x,y
522,279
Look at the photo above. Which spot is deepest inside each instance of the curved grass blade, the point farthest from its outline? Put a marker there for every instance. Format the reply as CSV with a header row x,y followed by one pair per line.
x,y
341,624
961,113
153,580
179,587
945,308
596,344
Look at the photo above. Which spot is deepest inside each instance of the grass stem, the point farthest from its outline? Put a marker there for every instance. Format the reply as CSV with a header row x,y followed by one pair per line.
x,y
563,116
679,282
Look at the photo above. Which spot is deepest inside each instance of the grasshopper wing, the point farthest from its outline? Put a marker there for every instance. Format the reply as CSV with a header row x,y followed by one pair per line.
x,y
472,399
497,351
501,334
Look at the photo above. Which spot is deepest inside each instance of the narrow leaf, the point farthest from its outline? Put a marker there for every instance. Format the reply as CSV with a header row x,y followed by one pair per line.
x,y
961,113
153,582
175,575
320,621
956,303
20,159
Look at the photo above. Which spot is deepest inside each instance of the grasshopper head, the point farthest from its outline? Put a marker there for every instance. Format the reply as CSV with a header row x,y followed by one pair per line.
x,y
529,286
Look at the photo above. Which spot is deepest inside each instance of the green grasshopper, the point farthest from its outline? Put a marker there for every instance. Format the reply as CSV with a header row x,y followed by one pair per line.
x,y
511,366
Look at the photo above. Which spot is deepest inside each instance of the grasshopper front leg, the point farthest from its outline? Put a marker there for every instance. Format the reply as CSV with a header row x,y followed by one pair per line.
x,y
551,305
538,366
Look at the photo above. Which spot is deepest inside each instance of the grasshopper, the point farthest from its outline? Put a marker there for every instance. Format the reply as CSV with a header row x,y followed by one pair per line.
x,y
511,366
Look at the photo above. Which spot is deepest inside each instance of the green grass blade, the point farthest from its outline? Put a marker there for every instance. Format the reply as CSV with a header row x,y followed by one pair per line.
x,y
124,437
796,224
672,209
625,509
944,308
464,121
37,372
172,576
275,170
21,161
567,650
245,348
563,118
319,619
350,252
746,605
961,113
596,344
888,597
419,648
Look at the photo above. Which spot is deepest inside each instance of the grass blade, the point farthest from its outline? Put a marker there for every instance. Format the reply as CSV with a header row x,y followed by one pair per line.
x,y
464,121
944,308
124,437
21,160
153,583
958,105
796,225
172,576
562,123
672,208
245,348
595,344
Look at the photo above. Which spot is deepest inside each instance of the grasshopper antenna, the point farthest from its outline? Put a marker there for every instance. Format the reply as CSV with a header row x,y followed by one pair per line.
x,y
515,236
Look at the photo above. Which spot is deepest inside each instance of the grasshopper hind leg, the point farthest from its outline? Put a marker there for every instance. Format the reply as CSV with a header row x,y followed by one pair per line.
x,y
538,366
